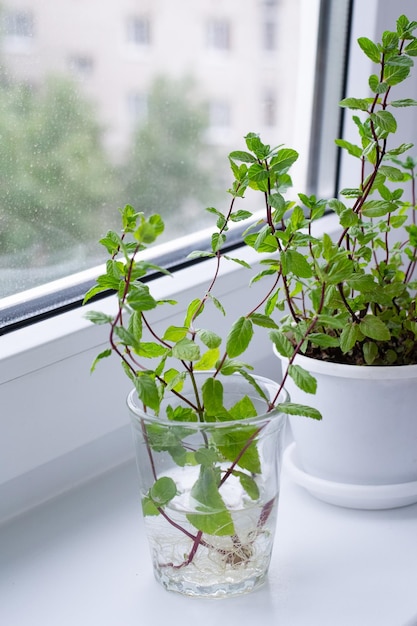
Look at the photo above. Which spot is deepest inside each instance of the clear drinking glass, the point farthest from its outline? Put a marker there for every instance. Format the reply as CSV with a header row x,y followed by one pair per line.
x,y
211,520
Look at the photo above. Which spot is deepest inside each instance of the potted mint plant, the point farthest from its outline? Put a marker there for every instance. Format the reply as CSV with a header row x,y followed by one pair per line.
x,y
208,431
351,327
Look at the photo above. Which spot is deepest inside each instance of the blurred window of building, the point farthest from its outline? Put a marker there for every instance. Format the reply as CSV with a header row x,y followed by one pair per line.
x,y
218,34
138,31
18,29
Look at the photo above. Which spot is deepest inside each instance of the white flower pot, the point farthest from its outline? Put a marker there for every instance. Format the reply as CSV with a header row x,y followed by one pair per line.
x,y
363,454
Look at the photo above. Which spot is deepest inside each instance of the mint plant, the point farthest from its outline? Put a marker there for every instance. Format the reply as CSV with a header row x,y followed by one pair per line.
x,y
349,300
160,364
353,300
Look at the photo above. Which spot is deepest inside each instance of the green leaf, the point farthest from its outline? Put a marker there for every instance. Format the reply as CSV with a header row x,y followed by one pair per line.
x,y
323,341
377,208
111,242
283,160
181,414
293,262
186,350
208,360
303,379
140,298
282,343
106,353
150,350
212,516
340,269
376,86
405,102
239,337
239,261
217,241
374,328
196,307
239,216
212,392
392,173
148,507
199,254
135,325
147,390
174,379
370,49
243,409
411,48
230,366
96,317
126,336
354,103
394,74
95,290
263,320
217,304
209,338
237,444
353,150
163,491
242,156
206,456
290,408
385,120
349,337
370,352
175,333
249,484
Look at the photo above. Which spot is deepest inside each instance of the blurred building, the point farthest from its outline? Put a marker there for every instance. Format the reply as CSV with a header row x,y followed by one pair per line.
x,y
242,55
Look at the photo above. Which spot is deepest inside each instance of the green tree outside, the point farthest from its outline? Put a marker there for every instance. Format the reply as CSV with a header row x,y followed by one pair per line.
x,y
55,179
168,169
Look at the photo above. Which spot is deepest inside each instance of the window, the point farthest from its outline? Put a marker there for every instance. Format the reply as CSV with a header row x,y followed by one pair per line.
x,y
137,107
81,65
18,29
218,34
74,150
138,31
269,109
220,114
269,35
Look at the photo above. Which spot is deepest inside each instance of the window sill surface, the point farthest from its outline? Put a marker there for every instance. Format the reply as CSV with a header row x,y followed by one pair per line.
x,y
82,558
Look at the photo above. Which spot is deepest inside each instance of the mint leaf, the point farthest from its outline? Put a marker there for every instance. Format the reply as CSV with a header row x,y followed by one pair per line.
x,y
249,484
147,390
374,328
163,490
239,337
303,379
212,516
282,343
290,408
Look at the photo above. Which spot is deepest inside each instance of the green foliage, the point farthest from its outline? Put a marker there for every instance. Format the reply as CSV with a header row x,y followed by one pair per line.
x,y
162,174
55,177
349,300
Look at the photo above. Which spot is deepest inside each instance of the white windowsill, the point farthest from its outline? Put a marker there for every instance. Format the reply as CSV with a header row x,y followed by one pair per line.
x,y
82,558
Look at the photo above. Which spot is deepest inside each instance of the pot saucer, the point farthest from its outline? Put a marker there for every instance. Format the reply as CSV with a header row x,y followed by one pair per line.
x,y
350,495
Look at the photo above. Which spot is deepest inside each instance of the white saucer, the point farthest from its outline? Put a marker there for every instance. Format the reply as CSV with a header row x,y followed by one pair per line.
x,y
349,495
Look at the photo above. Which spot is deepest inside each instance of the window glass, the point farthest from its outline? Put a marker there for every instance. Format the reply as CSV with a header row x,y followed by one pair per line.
x,y
108,102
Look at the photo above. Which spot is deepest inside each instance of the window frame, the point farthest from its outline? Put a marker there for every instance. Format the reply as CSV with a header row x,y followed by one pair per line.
x,y
59,296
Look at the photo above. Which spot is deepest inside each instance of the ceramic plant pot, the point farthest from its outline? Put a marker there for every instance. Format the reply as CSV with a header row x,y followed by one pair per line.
x,y
210,490
363,454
